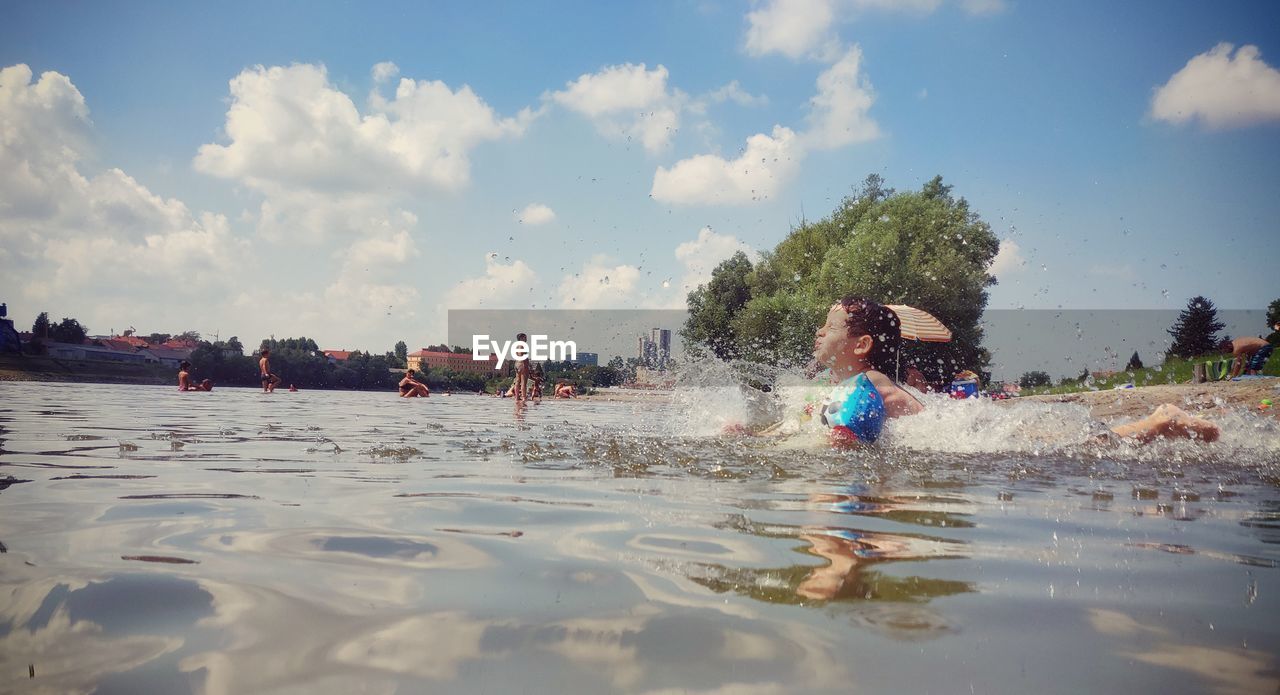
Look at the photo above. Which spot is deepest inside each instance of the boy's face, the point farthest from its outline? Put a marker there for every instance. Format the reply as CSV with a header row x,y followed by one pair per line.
x,y
832,338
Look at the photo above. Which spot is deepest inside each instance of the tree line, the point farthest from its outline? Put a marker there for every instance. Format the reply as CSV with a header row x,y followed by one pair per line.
x,y
1195,333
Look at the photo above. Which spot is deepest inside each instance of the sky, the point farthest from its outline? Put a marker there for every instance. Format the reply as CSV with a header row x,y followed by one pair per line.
x,y
352,171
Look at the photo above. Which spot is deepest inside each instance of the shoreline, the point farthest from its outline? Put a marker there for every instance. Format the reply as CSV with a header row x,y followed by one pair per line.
x,y
1117,404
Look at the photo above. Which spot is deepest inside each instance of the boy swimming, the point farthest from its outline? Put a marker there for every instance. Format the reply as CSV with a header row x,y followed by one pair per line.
x,y
858,343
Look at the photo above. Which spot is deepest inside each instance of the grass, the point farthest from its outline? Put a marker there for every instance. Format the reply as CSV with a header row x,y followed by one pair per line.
x,y
1173,371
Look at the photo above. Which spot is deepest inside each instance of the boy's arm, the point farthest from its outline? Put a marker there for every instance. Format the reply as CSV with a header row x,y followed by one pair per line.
x,y
897,402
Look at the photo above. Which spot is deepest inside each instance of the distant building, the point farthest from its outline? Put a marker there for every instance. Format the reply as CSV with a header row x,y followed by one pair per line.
x,y
81,351
654,349
336,356
588,358
454,361
168,356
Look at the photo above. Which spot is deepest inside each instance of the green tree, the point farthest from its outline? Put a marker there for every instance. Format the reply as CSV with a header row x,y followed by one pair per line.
x,y
68,331
713,306
1196,330
402,353
1273,318
923,248
1135,362
233,343
1031,380
40,329
157,338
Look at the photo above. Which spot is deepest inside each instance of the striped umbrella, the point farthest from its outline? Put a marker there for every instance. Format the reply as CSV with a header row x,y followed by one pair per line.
x,y
920,325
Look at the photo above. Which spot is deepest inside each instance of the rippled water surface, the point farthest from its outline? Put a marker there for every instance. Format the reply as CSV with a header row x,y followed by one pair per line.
x,y
236,542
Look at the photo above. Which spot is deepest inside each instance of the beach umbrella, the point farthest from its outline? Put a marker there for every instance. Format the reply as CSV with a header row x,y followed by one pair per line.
x,y
917,324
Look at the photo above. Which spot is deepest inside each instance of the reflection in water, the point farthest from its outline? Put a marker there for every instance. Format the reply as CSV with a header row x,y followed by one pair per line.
x,y
80,633
1229,671
354,542
850,572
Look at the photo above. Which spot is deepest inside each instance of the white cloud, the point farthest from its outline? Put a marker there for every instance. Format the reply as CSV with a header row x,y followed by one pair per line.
x,y
735,93
765,164
1220,90
503,285
804,28
386,243
289,129
384,71
535,214
794,28
838,116
1008,260
701,255
626,100
600,286
93,242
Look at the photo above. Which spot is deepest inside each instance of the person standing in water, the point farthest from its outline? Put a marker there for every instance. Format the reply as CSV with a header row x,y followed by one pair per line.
x,y
522,370
269,380
859,343
537,375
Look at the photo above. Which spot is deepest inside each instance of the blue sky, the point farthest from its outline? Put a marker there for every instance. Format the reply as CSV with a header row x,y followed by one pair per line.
x,y
1126,161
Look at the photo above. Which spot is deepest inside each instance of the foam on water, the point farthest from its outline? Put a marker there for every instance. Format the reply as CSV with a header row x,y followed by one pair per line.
x,y
712,395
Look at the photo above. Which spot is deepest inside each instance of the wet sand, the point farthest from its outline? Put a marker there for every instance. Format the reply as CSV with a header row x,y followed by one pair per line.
x,y
1128,404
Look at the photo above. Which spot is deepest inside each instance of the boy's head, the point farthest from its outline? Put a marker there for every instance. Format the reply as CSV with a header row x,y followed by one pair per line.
x,y
861,329
1226,345
522,337
266,351
184,365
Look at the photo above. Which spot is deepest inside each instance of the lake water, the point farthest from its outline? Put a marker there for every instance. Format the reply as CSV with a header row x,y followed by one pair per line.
x,y
236,542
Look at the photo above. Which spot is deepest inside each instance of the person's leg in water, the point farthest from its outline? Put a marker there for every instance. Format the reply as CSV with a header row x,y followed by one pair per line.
x,y
1169,422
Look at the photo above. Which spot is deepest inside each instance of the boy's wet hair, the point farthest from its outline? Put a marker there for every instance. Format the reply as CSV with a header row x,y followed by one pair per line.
x,y
266,351
184,365
523,337
867,317
1226,345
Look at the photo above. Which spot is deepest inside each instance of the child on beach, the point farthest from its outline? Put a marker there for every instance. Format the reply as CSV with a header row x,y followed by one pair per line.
x,y
859,343
269,380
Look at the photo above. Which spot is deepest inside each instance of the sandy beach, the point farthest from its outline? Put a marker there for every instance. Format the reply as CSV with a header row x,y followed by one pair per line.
x,y
1124,404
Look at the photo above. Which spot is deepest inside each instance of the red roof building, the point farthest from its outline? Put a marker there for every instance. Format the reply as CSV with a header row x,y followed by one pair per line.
x,y
454,361
337,355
